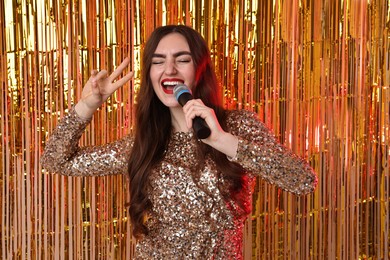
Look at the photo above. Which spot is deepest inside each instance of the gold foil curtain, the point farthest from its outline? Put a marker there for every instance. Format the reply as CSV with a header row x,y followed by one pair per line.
x,y
316,72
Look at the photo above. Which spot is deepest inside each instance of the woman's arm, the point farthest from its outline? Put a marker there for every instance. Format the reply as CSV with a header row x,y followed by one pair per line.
x,y
260,153
63,155
251,144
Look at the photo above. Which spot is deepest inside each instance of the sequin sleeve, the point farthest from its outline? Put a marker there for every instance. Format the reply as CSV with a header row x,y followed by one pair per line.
x,y
260,153
63,155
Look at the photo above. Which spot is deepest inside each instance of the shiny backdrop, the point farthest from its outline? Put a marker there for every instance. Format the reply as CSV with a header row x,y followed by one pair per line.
x,y
316,72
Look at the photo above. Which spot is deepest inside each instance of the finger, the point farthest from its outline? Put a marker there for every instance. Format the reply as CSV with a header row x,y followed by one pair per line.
x,y
196,102
118,71
94,86
189,106
194,111
199,101
119,83
93,76
188,120
197,111
100,75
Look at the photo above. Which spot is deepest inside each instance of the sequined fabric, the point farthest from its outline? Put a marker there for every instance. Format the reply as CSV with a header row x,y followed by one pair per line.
x,y
189,219
63,155
262,155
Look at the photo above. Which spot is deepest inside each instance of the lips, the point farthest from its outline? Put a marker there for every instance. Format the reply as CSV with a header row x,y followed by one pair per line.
x,y
169,84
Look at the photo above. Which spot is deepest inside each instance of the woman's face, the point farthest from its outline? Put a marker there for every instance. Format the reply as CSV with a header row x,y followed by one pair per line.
x,y
171,64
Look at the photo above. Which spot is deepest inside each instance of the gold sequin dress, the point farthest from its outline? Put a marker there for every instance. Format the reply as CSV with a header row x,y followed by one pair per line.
x,y
188,220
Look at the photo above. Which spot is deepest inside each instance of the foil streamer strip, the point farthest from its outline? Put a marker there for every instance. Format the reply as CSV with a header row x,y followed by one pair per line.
x,y
316,72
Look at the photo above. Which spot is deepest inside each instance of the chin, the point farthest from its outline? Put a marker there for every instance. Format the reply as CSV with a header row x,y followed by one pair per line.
x,y
169,102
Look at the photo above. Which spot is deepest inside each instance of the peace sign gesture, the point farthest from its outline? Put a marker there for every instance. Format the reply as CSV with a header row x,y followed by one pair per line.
x,y
99,87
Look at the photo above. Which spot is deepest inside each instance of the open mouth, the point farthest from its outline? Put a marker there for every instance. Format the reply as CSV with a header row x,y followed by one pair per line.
x,y
169,84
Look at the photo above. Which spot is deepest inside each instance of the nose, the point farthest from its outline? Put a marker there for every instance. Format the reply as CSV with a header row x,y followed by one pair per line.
x,y
170,68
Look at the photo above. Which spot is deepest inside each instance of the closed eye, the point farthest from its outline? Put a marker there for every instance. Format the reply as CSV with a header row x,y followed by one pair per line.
x,y
184,60
157,61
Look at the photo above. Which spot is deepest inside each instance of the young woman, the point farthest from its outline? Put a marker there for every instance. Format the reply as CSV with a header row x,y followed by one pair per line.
x,y
189,197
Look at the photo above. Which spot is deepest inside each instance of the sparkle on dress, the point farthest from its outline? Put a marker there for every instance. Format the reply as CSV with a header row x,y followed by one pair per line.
x,y
188,220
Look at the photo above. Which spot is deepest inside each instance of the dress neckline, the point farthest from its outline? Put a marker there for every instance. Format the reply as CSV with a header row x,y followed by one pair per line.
x,y
181,135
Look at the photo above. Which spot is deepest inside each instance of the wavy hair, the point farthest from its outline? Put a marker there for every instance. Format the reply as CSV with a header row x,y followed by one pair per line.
x,y
153,127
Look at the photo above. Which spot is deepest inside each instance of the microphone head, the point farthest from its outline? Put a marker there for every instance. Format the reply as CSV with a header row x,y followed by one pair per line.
x,y
180,89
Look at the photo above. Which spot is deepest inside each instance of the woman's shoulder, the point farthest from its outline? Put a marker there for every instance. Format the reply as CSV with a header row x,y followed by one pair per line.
x,y
242,120
240,115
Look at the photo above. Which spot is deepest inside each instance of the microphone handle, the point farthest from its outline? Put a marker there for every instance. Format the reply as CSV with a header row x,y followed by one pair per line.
x,y
202,130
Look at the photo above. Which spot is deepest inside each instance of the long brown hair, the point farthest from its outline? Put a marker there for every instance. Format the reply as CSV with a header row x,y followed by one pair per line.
x,y
153,125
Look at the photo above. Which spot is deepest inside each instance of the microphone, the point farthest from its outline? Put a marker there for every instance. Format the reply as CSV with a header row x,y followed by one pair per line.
x,y
183,94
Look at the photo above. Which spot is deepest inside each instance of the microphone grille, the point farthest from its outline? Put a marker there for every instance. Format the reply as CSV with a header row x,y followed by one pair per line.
x,y
180,89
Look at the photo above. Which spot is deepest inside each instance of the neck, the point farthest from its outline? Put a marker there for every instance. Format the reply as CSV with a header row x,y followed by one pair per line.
x,y
178,119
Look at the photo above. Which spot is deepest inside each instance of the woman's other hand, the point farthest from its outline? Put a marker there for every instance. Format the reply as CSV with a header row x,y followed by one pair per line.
x,y
99,87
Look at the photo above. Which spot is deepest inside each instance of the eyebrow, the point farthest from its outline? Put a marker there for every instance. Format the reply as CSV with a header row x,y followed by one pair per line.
x,y
177,54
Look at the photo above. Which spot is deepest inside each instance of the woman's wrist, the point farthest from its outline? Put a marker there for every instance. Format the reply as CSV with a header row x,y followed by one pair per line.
x,y
227,144
83,111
